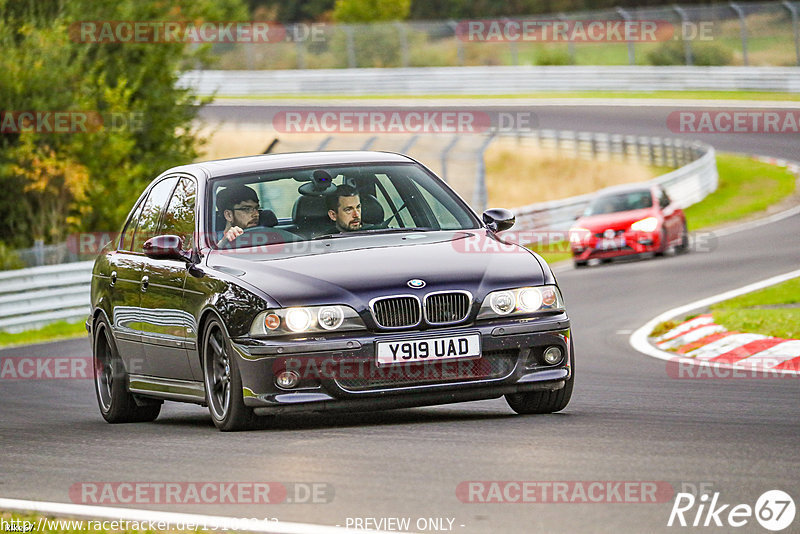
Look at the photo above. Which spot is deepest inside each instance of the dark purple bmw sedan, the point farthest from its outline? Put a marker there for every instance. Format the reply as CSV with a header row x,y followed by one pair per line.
x,y
320,281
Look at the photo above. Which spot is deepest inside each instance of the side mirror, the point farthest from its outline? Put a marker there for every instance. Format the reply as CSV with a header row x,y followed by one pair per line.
x,y
165,247
498,219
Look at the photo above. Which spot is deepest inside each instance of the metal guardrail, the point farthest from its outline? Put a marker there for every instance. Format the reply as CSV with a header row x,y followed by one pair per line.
x,y
695,177
488,80
31,298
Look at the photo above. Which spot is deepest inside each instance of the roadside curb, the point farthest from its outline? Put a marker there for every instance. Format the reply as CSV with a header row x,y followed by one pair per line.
x,y
707,347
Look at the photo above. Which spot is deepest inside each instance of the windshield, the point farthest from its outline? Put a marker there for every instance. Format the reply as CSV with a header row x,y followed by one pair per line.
x,y
331,202
634,200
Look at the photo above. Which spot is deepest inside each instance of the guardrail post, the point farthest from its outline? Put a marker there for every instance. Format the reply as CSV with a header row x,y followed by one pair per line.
x,y
631,51
687,43
480,195
351,47
742,28
459,45
444,155
793,10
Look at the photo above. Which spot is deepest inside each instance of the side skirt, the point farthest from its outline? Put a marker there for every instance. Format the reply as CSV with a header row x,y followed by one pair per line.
x,y
168,389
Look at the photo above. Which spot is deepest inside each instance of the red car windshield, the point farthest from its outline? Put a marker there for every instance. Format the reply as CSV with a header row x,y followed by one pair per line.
x,y
634,200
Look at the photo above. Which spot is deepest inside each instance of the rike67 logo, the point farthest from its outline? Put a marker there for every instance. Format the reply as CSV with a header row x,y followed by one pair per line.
x,y
774,510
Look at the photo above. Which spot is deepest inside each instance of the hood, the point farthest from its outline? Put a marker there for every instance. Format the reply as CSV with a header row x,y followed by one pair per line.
x,y
353,270
613,221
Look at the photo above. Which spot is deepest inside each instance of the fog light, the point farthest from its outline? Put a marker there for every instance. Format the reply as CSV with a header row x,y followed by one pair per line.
x,y
552,355
287,379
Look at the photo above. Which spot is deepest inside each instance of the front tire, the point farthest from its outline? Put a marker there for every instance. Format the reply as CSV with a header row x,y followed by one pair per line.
x,y
538,402
117,404
683,248
223,383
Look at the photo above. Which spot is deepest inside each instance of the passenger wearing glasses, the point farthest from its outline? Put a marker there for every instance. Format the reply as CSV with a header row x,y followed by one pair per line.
x,y
239,205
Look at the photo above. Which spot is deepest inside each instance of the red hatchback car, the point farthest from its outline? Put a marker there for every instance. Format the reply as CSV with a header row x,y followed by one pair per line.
x,y
626,221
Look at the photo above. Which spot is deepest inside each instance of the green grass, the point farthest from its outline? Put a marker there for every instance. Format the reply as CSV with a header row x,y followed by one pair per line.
x,y
773,311
745,187
682,95
553,252
51,332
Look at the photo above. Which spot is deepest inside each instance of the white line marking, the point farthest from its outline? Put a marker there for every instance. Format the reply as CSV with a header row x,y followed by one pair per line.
x,y
131,514
639,341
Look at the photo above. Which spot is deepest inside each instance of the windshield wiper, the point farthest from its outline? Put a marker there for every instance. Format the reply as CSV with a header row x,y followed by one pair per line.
x,y
372,231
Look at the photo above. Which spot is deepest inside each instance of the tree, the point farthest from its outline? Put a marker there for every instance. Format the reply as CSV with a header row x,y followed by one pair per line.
x,y
48,68
370,10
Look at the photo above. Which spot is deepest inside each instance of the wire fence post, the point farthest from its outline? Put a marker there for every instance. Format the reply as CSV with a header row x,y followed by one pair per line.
x,y
409,144
570,44
351,47
403,33
793,10
369,142
459,44
445,154
687,43
742,29
480,195
631,50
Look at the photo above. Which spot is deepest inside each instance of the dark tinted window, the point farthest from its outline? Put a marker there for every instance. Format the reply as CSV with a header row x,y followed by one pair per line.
x,y
151,213
635,200
179,217
130,228
664,200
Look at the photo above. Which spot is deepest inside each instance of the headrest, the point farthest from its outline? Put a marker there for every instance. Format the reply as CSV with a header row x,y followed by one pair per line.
x,y
371,209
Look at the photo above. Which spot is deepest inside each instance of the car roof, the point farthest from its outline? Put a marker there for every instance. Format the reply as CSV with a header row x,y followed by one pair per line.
x,y
271,162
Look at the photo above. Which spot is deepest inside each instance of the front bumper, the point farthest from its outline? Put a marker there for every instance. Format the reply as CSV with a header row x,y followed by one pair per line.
x,y
339,373
635,243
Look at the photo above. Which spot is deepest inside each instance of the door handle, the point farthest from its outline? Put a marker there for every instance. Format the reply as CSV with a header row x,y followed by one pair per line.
x,y
145,283
113,278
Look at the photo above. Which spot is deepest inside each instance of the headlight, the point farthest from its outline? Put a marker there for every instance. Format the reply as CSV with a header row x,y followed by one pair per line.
x,y
648,224
578,234
306,320
523,300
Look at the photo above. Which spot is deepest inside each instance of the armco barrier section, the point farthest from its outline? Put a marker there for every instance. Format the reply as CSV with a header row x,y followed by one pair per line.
x,y
695,178
488,80
31,298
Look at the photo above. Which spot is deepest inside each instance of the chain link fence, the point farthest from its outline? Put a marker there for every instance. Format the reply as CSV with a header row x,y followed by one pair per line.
x,y
753,33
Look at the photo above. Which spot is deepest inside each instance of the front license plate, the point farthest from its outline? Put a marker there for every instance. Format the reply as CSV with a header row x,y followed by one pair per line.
x,y
612,243
433,349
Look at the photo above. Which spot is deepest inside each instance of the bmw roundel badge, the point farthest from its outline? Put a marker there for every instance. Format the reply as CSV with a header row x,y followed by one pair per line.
x,y
416,283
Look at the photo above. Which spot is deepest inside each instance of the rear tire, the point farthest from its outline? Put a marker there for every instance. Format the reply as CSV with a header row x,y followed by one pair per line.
x,y
580,264
117,404
223,383
540,402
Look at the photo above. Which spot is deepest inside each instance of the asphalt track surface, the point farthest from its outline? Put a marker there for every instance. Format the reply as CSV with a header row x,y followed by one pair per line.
x,y
628,419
